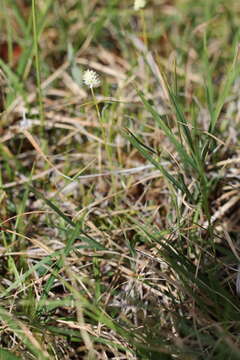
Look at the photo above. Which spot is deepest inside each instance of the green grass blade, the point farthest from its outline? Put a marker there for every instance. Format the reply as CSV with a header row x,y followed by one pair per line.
x,y
15,326
187,159
92,242
7,355
145,152
181,119
225,89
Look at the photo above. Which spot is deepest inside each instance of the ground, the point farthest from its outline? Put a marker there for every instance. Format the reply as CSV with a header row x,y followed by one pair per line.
x,y
120,166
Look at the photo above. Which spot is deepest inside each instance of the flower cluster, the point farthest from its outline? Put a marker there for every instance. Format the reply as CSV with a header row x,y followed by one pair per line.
x,y
139,4
91,79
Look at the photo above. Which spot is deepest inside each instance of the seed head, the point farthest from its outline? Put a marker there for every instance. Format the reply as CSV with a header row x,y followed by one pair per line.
x,y
91,79
139,4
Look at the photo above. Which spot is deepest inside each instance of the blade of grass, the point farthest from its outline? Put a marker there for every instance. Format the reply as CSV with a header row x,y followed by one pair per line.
x,y
186,158
92,242
37,64
142,149
25,335
7,355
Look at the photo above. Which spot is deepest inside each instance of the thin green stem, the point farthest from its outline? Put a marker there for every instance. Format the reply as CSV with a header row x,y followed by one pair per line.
x,y
37,64
98,114
9,34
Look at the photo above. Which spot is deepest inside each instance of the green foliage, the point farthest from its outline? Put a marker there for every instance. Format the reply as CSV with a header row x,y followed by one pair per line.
x,y
133,254
7,355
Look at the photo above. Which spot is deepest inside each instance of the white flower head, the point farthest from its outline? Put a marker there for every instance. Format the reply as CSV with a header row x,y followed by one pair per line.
x,y
25,123
139,4
91,79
